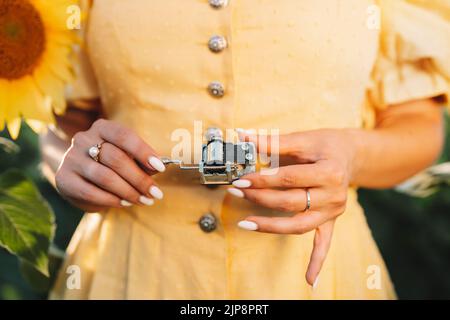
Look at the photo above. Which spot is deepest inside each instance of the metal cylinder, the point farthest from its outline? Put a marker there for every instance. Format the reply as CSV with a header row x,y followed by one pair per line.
x,y
214,154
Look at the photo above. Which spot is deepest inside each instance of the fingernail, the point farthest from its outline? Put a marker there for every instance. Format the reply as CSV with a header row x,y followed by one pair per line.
x,y
146,201
157,164
125,203
242,183
236,192
248,225
156,193
316,282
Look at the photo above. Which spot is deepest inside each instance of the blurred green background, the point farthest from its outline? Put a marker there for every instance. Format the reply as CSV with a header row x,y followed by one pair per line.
x,y
413,234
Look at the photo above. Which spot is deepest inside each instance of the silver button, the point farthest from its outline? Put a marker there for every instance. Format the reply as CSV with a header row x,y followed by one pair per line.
x,y
218,4
217,44
208,222
216,89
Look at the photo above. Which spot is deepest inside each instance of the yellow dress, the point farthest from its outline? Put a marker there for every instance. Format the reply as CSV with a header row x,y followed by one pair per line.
x,y
290,64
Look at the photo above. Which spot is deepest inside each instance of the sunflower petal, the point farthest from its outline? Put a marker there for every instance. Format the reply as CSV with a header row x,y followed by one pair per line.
x,y
28,102
50,85
59,56
54,12
4,89
14,127
37,126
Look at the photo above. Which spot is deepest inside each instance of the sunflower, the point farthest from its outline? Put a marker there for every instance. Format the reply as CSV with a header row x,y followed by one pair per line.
x,y
35,49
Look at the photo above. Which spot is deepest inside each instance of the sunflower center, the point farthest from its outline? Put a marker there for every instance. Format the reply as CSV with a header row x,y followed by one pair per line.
x,y
22,38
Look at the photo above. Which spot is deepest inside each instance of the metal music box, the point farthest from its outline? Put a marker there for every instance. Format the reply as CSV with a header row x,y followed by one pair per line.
x,y
222,162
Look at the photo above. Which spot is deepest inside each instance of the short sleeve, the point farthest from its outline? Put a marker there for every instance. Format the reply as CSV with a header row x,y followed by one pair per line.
x,y
84,86
414,56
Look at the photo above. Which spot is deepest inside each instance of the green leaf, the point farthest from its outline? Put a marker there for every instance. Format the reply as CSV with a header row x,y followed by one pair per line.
x,y
8,146
26,220
37,280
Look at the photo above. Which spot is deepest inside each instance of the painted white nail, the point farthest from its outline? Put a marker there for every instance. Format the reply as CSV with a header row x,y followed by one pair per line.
x,y
146,201
236,192
316,282
157,164
125,203
248,225
242,183
156,193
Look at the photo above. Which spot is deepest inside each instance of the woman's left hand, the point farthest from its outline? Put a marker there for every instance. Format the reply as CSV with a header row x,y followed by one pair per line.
x,y
320,162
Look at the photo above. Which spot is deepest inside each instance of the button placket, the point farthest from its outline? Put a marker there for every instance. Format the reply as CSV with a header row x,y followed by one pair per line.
x,y
217,44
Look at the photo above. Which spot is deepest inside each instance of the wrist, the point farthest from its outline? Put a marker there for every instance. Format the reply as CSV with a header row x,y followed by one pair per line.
x,y
355,147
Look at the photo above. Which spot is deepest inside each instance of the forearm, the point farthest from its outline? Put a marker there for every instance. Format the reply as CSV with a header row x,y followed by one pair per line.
x,y
406,140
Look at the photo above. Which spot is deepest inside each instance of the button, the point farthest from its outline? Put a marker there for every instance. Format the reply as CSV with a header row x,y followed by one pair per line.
x,y
216,89
208,222
217,44
218,4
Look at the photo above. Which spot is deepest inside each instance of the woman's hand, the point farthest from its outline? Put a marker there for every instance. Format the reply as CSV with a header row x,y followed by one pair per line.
x,y
121,178
407,138
320,162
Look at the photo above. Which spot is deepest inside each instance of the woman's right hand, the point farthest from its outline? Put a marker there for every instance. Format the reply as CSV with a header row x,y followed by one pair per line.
x,y
121,178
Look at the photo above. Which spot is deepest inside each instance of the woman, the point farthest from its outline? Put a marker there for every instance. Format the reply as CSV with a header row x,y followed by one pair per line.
x,y
356,107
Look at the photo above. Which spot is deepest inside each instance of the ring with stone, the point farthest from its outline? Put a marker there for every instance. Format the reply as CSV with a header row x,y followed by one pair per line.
x,y
94,152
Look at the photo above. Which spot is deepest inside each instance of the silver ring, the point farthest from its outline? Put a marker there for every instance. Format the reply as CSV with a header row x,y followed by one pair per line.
x,y
308,200
94,152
